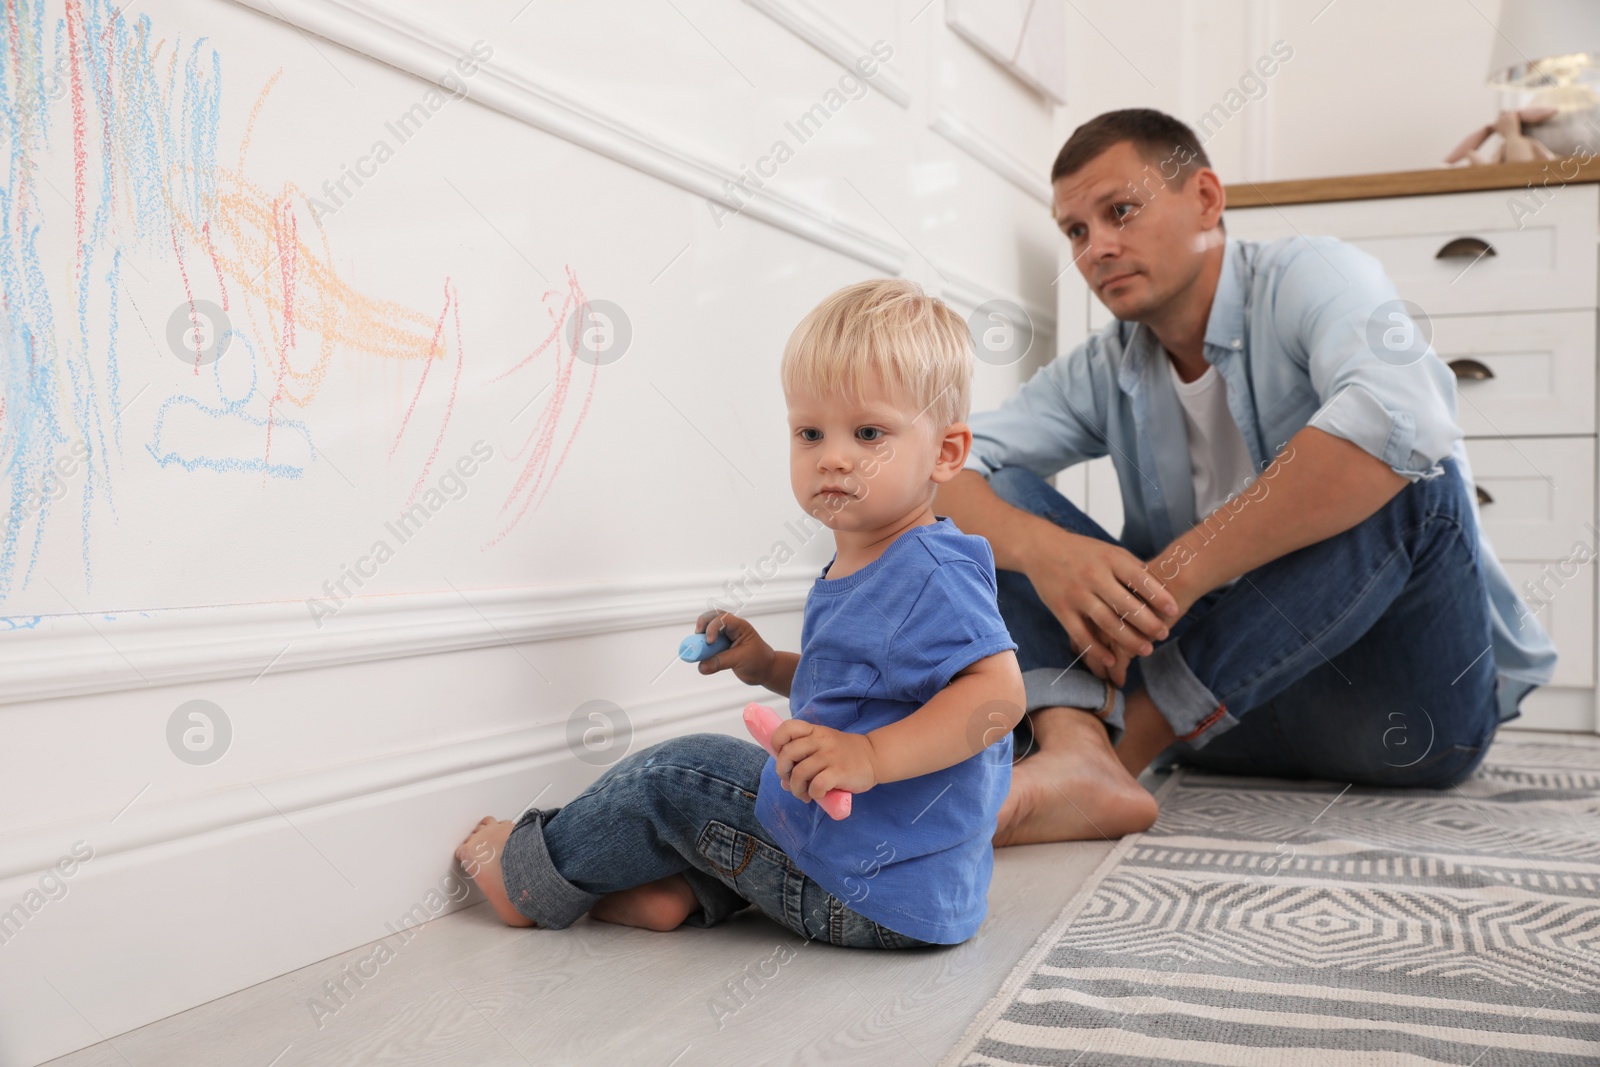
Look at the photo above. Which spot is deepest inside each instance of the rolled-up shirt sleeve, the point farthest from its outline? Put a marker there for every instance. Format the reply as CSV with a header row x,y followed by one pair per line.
x,y
1334,297
953,623
1051,422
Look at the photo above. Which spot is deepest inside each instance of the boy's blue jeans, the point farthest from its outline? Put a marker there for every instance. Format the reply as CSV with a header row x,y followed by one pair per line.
x,y
1361,658
685,806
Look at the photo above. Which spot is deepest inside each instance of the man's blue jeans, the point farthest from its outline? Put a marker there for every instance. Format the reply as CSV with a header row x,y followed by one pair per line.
x,y
686,805
1362,658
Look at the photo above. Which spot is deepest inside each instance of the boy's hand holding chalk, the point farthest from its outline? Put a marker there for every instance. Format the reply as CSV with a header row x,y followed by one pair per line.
x,y
696,649
723,641
814,760
765,726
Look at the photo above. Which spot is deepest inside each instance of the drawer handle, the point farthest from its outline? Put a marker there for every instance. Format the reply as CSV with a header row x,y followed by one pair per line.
x,y
1466,248
1471,369
1483,495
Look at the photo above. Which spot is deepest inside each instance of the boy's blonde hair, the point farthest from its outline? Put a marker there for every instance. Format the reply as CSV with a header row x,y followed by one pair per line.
x,y
919,347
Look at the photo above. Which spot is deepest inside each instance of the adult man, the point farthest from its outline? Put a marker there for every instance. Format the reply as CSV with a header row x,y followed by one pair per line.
x,y
1301,568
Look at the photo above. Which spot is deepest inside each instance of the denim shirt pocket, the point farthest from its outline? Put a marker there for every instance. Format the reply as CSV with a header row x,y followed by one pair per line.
x,y
835,691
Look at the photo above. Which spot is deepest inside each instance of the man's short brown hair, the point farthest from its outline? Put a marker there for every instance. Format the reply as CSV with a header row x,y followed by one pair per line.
x,y
1166,143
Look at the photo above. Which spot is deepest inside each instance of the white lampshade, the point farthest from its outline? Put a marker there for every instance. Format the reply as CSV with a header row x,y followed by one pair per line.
x,y
1531,30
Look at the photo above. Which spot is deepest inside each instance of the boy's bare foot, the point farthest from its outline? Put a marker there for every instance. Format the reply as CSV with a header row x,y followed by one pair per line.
x,y
1074,788
480,858
660,905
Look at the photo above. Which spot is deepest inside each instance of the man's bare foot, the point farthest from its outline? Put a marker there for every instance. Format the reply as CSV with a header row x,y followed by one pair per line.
x,y
480,858
1073,788
660,905
1145,734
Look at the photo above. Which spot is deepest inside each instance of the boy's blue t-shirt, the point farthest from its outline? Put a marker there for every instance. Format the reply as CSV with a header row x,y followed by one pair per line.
x,y
914,855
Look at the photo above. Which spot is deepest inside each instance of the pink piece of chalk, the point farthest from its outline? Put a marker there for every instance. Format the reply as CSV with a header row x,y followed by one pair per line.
x,y
761,720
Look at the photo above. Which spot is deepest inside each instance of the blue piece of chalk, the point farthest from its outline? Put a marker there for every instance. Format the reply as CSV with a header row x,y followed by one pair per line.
x,y
694,647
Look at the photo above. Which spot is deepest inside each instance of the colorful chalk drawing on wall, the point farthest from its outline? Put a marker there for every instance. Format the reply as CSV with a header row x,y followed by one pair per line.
x,y
140,116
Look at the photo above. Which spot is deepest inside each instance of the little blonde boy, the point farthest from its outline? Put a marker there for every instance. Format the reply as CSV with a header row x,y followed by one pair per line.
x,y
905,690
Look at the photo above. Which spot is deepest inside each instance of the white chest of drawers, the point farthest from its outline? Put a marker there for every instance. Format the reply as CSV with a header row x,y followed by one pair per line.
x,y
1504,262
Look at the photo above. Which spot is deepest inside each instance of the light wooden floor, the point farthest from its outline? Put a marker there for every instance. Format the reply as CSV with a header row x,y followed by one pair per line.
x,y
468,990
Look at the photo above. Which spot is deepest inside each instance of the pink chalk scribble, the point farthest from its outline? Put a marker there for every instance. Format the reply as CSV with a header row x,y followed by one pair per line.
x,y
452,309
540,442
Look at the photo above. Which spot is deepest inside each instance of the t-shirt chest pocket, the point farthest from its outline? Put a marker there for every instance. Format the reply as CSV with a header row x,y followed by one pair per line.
x,y
835,691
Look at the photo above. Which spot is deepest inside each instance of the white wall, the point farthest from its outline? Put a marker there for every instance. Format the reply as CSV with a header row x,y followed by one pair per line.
x,y
362,751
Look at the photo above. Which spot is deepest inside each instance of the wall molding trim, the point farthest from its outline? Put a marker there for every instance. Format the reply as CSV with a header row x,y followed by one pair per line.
x,y
426,51
365,783
833,41
965,295
983,148
75,655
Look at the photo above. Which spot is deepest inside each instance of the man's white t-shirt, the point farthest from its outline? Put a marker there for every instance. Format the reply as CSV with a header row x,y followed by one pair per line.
x,y
1218,460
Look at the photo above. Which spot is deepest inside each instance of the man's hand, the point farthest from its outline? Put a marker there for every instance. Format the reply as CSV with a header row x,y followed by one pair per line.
x,y
1109,602
813,759
750,657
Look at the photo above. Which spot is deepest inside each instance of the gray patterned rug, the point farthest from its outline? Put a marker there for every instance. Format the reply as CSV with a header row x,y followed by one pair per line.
x,y
1264,922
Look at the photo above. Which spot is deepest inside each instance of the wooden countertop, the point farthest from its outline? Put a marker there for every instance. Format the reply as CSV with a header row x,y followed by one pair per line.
x,y
1553,173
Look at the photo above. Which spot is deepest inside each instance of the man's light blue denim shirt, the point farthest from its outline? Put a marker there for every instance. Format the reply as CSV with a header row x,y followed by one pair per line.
x,y
1288,332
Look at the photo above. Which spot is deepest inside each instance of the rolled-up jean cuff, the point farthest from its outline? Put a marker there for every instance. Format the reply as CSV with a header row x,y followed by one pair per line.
x,y
1194,714
534,886
1072,687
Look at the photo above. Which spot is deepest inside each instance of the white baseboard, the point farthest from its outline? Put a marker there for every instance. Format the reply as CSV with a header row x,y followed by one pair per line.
x,y
191,901
1558,708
